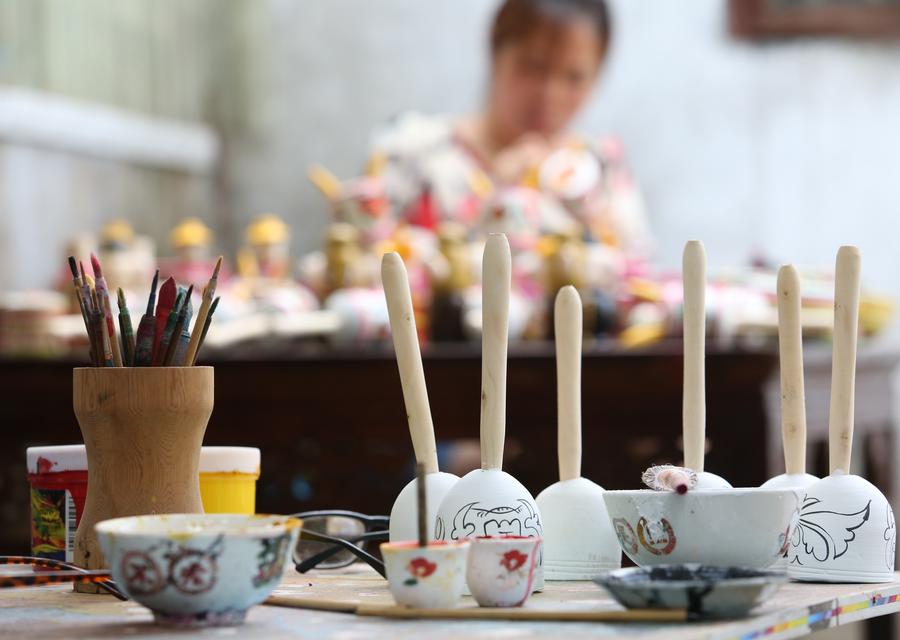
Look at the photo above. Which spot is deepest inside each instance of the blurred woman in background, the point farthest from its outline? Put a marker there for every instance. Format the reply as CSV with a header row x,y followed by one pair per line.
x,y
515,166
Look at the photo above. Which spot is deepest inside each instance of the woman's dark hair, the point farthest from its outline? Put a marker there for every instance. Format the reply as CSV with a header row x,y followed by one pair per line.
x,y
517,19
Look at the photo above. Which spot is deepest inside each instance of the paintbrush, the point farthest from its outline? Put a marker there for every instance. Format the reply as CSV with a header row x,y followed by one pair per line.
x,y
146,333
165,339
125,329
184,338
88,303
209,292
101,335
103,299
77,282
421,505
168,293
212,310
177,330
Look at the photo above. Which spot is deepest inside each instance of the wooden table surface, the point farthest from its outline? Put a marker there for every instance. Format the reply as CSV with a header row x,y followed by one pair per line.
x,y
796,610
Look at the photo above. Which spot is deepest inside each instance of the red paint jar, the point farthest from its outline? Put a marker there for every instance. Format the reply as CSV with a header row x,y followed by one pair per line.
x,y
58,477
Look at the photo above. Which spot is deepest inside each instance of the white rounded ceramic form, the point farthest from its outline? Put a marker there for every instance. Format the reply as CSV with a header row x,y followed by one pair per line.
x,y
433,576
798,481
722,527
707,480
198,570
845,533
404,513
789,481
500,570
489,502
579,541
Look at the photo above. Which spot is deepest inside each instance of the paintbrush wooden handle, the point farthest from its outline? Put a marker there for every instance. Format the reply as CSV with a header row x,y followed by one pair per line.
x,y
790,348
199,323
568,319
525,613
843,362
694,398
409,360
495,283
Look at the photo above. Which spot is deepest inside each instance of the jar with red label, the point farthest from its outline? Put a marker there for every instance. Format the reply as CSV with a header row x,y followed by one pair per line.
x,y
58,477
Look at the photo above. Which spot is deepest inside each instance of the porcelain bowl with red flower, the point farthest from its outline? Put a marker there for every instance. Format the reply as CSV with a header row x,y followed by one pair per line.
x,y
196,570
429,577
747,527
500,570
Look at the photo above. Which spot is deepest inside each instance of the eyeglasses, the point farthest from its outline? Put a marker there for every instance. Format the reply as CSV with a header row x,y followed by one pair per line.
x,y
336,539
66,573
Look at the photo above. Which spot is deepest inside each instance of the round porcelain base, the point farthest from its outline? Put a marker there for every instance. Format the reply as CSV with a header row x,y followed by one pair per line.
x,y
813,574
563,570
229,618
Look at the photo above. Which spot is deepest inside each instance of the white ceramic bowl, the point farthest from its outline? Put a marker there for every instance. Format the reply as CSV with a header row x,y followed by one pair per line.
x,y
198,570
579,541
404,520
717,527
845,533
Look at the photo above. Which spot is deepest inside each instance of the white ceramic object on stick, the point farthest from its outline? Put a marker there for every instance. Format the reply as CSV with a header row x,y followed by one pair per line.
x,y
579,541
415,397
489,501
846,530
793,398
694,396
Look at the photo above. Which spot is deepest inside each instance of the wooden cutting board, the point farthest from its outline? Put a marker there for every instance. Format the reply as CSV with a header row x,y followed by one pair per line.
x,y
367,594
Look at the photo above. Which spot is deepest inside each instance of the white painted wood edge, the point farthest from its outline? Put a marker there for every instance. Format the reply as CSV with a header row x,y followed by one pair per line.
x,y
39,119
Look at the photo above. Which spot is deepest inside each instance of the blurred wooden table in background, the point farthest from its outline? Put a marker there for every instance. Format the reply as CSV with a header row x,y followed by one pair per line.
x,y
332,427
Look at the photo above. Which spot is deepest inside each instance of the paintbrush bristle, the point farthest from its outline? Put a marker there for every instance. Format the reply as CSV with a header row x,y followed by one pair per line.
x,y
73,267
83,275
151,301
216,270
120,296
95,265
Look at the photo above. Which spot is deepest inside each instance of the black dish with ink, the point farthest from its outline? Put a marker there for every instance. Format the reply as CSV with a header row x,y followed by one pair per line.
x,y
704,591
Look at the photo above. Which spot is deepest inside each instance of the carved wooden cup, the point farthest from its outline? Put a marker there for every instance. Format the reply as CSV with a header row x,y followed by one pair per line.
x,y
142,429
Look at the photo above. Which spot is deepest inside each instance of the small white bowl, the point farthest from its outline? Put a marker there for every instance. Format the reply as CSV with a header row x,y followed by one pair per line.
x,y
433,576
500,571
197,570
717,527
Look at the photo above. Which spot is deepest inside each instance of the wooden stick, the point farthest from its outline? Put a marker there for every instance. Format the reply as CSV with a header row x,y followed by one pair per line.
x,y
790,349
209,292
568,321
409,360
421,505
694,398
520,613
495,284
843,359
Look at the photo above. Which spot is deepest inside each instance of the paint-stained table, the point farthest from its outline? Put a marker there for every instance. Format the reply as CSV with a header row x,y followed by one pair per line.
x,y
796,610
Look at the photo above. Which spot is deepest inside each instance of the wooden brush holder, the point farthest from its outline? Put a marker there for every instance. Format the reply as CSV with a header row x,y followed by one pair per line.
x,y
143,428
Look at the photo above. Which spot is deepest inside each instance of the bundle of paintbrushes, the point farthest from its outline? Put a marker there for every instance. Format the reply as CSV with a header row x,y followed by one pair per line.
x,y
164,337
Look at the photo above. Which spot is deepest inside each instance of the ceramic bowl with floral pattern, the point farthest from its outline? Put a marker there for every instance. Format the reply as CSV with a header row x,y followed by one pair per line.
x,y
198,570
429,577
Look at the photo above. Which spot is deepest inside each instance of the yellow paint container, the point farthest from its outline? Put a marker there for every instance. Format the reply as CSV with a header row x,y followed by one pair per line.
x,y
228,479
